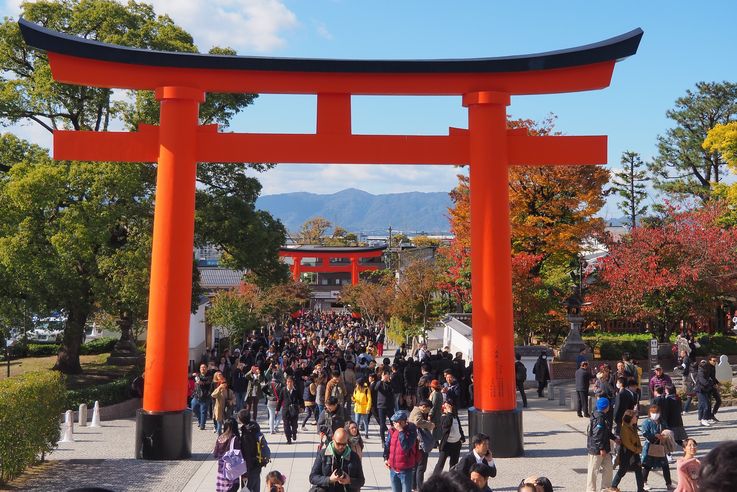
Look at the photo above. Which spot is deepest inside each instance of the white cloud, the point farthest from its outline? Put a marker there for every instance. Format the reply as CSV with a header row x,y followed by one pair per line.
x,y
322,31
376,179
245,25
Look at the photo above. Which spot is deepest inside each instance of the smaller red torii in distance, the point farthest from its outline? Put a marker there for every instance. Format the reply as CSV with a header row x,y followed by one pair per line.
x,y
181,80
325,254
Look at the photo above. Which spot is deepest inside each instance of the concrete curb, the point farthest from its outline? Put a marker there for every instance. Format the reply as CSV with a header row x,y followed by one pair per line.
x,y
122,410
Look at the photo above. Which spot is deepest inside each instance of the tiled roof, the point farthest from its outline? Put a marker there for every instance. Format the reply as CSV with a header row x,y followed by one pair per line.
x,y
219,278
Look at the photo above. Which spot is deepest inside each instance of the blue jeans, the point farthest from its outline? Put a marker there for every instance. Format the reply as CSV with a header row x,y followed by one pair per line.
x,y
240,401
199,408
401,481
362,417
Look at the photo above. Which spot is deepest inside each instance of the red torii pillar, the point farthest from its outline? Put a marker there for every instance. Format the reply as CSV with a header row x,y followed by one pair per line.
x,y
164,426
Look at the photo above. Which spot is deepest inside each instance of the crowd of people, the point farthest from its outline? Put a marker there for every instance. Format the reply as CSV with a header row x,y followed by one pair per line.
x,y
614,435
328,371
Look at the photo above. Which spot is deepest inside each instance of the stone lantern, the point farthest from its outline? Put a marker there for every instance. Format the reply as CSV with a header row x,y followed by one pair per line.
x,y
573,343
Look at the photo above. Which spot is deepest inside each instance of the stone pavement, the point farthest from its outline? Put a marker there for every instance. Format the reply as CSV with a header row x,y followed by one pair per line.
x,y
554,447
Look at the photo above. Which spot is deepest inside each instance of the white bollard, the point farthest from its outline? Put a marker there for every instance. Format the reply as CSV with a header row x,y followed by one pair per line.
x,y
96,415
68,427
561,397
82,414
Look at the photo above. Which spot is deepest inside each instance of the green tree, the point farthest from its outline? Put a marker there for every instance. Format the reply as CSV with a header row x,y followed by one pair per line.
x,y
236,311
683,167
629,183
76,236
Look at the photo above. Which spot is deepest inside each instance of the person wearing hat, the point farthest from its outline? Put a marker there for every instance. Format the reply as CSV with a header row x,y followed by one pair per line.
x,y
599,447
660,378
420,416
436,413
401,452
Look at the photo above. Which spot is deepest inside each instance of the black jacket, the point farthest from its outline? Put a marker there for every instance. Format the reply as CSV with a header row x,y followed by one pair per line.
x,y
290,400
704,382
599,434
625,401
446,422
465,464
384,395
326,463
540,370
329,422
583,379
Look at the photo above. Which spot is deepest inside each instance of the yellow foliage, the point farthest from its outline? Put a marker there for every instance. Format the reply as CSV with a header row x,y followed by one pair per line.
x,y
723,139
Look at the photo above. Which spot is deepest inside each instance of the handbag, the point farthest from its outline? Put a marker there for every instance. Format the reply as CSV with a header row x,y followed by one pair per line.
x,y
233,462
656,450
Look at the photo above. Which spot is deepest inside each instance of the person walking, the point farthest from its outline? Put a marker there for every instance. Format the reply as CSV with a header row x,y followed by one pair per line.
x,y
480,453
256,382
336,467
520,374
309,395
436,413
401,450
362,404
704,387
255,451
223,398
625,400
420,416
688,468
657,445
583,381
598,446
201,399
227,440
272,392
384,402
629,451
355,440
451,437
291,401
542,373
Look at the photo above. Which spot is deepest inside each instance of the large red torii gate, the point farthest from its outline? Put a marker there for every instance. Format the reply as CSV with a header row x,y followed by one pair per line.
x,y
181,80
326,253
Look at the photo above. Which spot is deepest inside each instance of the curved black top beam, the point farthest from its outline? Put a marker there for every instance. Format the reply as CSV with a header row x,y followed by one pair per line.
x,y
332,249
615,48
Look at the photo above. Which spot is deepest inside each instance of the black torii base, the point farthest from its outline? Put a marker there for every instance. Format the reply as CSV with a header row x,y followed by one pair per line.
x,y
503,427
164,435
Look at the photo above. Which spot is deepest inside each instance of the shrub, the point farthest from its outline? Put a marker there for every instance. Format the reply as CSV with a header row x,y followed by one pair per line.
x,y
107,394
98,346
716,344
42,349
30,406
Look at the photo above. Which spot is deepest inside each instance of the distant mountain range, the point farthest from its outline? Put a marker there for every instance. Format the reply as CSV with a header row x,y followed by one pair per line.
x,y
359,211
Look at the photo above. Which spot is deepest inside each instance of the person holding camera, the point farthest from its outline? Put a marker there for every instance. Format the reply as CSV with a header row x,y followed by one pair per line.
x,y
401,452
337,468
201,398
275,481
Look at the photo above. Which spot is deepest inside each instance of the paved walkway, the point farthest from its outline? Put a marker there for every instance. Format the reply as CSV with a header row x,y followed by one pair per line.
x,y
554,447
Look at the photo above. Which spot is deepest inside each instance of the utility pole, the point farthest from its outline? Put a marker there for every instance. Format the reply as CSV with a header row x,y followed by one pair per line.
x,y
389,249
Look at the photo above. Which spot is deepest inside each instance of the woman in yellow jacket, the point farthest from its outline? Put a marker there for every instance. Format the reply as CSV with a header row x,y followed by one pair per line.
x,y
629,451
362,404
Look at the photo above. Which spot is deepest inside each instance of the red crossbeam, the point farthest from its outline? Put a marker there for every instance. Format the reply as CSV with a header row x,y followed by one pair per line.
x,y
142,146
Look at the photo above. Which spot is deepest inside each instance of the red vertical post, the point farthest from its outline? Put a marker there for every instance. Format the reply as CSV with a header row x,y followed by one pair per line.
x,y
491,274
354,270
167,342
297,268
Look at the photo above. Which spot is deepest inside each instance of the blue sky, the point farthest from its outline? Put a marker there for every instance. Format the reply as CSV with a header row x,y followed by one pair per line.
x,y
684,42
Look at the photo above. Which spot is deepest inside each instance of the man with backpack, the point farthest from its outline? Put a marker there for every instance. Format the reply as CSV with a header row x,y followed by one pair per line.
x,y
401,452
255,451
520,373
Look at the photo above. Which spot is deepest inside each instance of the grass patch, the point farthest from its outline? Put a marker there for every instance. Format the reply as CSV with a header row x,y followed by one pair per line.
x,y
94,367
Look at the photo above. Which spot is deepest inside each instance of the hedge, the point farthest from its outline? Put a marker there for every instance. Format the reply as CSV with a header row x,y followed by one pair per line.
x,y
30,406
93,347
107,393
612,346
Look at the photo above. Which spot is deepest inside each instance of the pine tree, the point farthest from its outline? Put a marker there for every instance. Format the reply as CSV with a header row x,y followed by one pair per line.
x,y
629,183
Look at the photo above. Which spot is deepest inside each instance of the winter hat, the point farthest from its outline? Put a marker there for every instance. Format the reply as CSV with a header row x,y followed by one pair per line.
x,y
602,404
400,415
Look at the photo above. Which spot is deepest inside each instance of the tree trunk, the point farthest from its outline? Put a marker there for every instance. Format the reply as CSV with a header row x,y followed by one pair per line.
x,y
68,359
